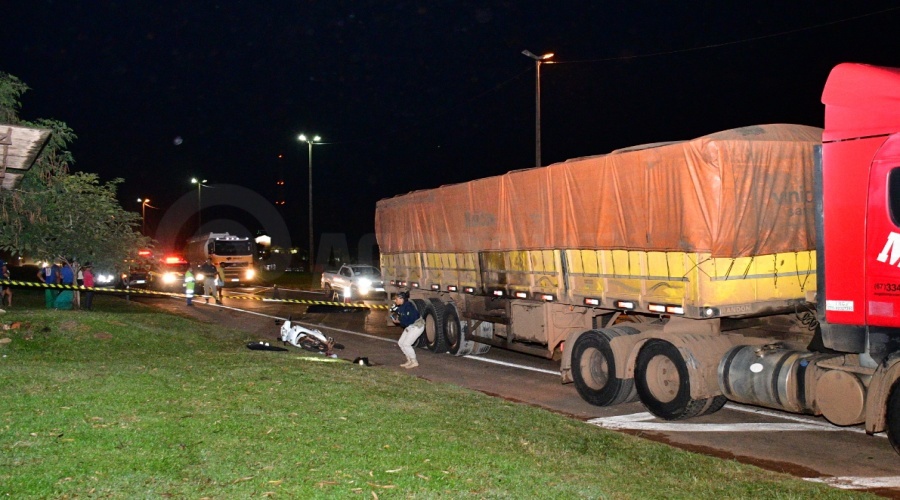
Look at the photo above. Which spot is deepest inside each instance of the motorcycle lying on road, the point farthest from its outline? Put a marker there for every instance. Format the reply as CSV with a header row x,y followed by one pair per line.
x,y
307,339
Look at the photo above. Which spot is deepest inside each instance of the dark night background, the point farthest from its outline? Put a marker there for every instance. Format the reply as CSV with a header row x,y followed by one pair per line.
x,y
409,95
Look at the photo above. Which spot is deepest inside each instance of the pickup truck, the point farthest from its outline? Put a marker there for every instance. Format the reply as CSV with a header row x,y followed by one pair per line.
x,y
352,282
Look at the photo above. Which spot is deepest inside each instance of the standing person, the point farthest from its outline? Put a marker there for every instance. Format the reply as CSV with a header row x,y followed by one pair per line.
x,y
407,316
220,284
209,279
67,278
5,290
79,280
49,275
87,273
189,286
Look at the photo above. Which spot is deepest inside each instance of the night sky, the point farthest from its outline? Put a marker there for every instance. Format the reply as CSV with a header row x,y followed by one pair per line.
x,y
408,95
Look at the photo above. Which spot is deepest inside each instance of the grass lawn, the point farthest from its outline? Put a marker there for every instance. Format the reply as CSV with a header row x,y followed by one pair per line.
x,y
129,402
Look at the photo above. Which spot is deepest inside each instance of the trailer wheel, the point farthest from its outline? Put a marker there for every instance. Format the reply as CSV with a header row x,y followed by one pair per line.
x,y
420,306
893,416
663,382
594,370
714,404
454,333
435,340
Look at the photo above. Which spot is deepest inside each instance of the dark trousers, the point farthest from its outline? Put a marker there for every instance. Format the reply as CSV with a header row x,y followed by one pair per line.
x,y
87,301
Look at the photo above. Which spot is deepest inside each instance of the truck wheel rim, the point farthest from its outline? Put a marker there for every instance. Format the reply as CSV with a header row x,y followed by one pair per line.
x,y
594,368
663,380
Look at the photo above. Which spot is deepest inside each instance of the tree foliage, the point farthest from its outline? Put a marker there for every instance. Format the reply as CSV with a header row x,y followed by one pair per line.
x,y
55,214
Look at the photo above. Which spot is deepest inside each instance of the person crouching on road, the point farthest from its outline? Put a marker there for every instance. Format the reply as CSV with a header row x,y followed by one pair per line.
x,y
189,286
408,317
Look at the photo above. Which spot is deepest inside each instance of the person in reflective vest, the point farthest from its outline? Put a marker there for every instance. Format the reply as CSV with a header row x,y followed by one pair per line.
x,y
189,286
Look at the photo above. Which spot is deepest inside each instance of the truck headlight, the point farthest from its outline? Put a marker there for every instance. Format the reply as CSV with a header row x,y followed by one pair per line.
x,y
249,274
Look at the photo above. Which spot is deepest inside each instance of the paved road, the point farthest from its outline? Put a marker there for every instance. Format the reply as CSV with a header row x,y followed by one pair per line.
x,y
804,446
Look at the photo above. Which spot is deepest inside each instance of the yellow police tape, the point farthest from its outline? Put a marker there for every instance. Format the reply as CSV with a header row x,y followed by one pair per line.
x,y
141,291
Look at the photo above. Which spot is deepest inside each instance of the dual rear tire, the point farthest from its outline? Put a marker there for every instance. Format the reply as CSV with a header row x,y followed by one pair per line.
x,y
444,332
663,383
661,377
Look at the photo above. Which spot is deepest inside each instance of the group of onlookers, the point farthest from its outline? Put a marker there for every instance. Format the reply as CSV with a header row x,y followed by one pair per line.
x,y
63,272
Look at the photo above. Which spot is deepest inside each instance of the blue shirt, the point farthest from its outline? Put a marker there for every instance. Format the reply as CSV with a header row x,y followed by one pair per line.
x,y
51,274
66,276
407,313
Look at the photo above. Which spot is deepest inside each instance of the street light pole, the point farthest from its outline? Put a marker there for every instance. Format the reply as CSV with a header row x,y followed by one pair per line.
x,y
144,203
310,142
537,102
199,184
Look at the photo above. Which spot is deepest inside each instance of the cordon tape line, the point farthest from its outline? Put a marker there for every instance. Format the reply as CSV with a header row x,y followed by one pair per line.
x,y
141,291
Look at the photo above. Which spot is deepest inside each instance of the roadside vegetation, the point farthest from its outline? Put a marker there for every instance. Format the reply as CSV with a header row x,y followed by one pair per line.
x,y
56,213
130,402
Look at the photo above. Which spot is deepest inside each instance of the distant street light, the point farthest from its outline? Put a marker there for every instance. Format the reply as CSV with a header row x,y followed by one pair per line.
x,y
303,138
200,184
537,101
145,202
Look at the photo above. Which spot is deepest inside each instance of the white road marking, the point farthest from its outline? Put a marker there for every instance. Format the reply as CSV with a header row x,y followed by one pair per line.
x,y
512,365
857,483
640,422
796,418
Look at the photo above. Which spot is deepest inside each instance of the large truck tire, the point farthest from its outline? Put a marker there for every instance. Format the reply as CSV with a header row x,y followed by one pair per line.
x,y
664,386
435,340
893,416
594,369
420,306
454,332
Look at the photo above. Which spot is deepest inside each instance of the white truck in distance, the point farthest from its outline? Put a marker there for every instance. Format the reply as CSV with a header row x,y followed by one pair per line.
x,y
352,282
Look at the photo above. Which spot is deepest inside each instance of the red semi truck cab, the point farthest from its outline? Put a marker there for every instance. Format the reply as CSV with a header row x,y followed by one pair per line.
x,y
861,204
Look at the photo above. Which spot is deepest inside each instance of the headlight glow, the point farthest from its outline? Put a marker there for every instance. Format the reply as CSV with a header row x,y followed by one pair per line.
x,y
169,278
249,274
365,285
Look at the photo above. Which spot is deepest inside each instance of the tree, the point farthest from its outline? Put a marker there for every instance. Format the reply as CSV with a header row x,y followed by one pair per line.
x,y
56,214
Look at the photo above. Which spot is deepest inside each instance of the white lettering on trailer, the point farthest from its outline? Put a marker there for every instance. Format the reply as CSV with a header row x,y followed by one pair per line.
x,y
893,245
839,305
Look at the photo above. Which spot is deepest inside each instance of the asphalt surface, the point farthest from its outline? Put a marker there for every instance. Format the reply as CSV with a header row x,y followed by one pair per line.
x,y
800,445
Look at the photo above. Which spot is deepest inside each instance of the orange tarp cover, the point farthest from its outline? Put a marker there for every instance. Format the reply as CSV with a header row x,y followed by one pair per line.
x,y
736,193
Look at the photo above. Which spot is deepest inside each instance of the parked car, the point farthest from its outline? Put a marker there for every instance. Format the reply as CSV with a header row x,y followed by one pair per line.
x,y
167,274
353,282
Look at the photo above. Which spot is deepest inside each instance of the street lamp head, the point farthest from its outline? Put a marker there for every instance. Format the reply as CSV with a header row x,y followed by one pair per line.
x,y
303,138
538,58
